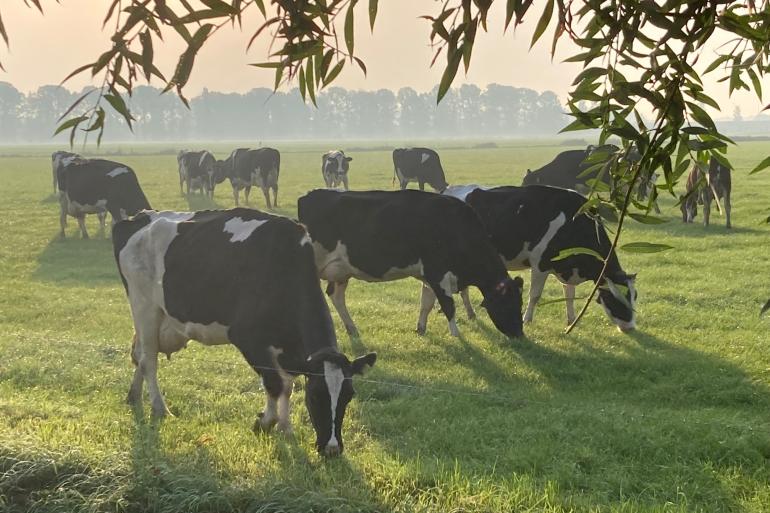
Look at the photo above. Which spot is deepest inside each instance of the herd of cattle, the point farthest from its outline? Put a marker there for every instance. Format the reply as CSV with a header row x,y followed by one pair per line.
x,y
258,285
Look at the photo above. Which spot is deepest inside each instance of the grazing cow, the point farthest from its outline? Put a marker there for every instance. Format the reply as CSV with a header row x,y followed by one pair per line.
x,y
198,170
421,165
257,289
384,236
90,186
334,168
718,184
247,168
567,170
59,159
531,225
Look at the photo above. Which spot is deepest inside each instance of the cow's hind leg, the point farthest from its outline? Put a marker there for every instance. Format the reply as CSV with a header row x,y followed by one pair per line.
x,y
235,195
147,325
246,193
447,305
275,195
728,207
273,384
102,216
569,296
536,284
134,396
427,301
336,290
62,221
467,303
266,192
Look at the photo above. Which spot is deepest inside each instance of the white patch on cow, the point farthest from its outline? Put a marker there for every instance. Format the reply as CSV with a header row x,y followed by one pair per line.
x,y
461,191
620,296
305,240
203,157
425,157
575,278
540,247
335,266
334,379
449,283
240,229
174,334
117,171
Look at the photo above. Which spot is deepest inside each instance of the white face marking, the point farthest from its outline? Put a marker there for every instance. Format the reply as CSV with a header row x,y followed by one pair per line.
x,y
117,171
240,229
613,288
425,157
334,379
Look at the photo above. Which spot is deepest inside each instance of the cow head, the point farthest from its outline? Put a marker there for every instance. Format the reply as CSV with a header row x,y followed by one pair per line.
x,y
336,163
530,178
503,304
328,392
689,208
617,295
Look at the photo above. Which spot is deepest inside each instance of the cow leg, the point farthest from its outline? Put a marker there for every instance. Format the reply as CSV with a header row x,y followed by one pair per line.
x,y
102,216
246,192
181,183
447,305
569,296
273,384
62,221
284,405
726,203
147,333
266,192
467,304
336,290
706,208
235,195
82,224
422,186
345,182
134,396
536,284
427,301
275,195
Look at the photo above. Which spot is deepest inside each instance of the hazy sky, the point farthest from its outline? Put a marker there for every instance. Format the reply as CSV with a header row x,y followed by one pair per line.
x,y
44,49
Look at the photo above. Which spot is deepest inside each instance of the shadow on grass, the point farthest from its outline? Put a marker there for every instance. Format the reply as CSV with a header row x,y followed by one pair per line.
x,y
197,202
77,262
51,198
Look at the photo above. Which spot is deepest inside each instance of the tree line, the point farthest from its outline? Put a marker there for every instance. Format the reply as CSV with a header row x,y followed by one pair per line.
x,y
262,114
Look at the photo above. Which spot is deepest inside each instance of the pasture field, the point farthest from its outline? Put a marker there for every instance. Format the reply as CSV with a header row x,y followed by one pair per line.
x,y
672,418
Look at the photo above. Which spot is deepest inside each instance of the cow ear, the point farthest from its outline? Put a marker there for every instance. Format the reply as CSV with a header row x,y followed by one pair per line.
x,y
348,158
529,171
360,364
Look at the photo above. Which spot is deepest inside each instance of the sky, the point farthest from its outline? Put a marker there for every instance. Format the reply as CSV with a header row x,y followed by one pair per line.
x,y
46,48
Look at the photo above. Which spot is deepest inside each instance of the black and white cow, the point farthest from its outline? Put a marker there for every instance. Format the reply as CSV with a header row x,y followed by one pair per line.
x,y
389,235
94,186
531,225
334,168
703,188
58,160
569,170
246,168
257,289
198,170
421,165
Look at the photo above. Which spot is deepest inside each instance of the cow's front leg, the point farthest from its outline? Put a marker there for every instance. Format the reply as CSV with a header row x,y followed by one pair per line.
x,y
706,207
728,207
275,195
273,384
246,193
62,221
284,404
102,216
447,304
345,182
467,303
82,225
337,292
536,284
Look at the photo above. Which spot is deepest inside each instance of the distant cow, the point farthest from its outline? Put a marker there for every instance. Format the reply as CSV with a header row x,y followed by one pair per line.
x,y
531,225
384,236
198,170
421,165
334,168
246,168
91,186
703,188
58,160
567,170
257,288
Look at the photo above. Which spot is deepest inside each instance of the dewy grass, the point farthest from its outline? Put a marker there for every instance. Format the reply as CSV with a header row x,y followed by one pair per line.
x,y
672,418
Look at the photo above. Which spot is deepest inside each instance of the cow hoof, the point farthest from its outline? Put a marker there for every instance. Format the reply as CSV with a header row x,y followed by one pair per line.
x,y
285,430
133,399
420,330
263,426
161,413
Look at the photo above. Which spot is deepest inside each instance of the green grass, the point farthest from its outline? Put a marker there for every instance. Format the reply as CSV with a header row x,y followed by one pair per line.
x,y
672,418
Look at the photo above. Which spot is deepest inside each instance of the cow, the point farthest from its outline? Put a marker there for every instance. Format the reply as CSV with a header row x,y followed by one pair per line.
x,y
246,168
198,170
569,170
531,225
88,186
334,168
389,235
58,160
257,289
702,188
421,165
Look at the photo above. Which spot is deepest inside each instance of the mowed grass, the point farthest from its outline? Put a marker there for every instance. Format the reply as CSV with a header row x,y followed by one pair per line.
x,y
674,417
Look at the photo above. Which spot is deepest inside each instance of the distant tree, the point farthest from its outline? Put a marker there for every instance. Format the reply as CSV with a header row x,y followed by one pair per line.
x,y
11,102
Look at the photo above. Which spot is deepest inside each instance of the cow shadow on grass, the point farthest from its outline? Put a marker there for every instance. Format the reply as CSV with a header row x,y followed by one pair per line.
x,y
51,198
77,262
176,475
648,420
196,201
